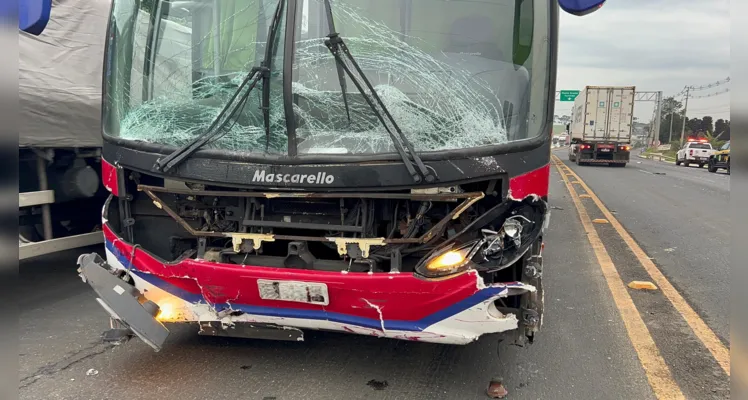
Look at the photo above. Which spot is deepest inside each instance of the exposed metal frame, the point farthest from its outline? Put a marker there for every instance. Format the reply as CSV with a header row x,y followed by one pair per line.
x,y
35,249
37,198
43,198
468,200
638,96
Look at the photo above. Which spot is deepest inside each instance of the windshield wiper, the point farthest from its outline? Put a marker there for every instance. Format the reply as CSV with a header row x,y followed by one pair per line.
x,y
232,107
345,60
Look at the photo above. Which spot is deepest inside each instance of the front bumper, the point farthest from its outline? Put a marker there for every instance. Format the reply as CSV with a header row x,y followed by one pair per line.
x,y
602,161
224,297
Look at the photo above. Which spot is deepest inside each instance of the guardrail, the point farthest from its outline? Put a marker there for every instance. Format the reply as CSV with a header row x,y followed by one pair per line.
x,y
657,156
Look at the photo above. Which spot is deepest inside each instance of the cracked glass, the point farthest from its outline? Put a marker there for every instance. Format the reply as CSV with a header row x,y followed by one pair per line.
x,y
447,71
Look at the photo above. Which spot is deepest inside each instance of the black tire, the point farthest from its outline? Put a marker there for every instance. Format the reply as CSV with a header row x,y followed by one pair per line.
x,y
711,168
677,161
701,165
686,163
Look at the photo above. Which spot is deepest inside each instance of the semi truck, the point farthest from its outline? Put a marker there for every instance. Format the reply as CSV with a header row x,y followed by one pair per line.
x,y
601,126
59,87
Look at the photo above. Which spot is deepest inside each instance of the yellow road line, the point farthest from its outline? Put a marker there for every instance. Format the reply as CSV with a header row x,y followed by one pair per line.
x,y
715,346
659,376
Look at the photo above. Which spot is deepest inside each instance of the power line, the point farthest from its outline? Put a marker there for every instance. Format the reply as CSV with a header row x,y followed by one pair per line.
x,y
690,88
711,85
717,109
712,94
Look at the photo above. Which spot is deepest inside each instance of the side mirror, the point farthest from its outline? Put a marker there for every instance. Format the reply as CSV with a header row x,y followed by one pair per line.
x,y
33,15
580,7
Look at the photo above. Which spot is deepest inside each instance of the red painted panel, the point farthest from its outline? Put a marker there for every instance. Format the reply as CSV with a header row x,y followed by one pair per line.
x,y
404,296
109,177
532,183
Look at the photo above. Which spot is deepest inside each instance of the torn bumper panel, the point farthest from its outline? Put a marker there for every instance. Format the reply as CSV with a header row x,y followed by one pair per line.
x,y
122,301
457,310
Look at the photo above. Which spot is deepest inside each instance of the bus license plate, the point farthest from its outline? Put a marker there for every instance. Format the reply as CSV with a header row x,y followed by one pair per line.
x,y
605,150
300,292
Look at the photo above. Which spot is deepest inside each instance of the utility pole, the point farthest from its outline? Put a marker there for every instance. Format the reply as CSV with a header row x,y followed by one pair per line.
x,y
670,138
685,113
658,117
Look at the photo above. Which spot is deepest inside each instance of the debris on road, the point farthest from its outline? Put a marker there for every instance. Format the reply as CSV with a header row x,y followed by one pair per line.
x,y
600,221
377,385
556,208
584,196
92,372
642,285
496,389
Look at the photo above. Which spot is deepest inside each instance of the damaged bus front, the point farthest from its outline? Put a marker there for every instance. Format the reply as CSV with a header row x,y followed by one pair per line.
x,y
378,168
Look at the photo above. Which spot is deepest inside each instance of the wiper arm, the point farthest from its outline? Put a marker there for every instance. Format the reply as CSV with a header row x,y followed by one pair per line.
x,y
232,107
267,62
338,66
345,60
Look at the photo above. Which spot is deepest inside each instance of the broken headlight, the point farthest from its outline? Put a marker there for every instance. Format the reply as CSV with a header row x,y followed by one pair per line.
x,y
494,251
449,261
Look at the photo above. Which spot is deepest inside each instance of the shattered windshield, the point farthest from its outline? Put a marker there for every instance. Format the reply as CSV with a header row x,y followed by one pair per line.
x,y
453,74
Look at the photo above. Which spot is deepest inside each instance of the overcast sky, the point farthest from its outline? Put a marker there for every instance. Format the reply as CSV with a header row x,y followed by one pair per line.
x,y
653,45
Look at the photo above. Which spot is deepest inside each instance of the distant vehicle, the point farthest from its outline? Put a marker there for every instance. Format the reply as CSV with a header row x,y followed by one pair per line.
x,y
601,123
720,159
695,151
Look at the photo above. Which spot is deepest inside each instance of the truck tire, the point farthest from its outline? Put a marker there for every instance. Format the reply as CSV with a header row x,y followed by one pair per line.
x,y
701,165
710,167
686,163
677,160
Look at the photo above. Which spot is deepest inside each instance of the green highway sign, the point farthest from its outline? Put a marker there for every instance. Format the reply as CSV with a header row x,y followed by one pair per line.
x,y
568,95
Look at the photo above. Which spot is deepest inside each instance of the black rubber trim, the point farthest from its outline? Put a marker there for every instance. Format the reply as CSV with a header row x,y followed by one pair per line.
x,y
289,49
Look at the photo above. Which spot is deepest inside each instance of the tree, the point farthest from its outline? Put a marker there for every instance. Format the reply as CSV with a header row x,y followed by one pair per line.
x,y
693,126
665,127
722,129
670,105
706,124
671,108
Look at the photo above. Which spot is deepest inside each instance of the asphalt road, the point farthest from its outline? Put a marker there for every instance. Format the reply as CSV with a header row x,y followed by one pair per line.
x,y
680,216
587,348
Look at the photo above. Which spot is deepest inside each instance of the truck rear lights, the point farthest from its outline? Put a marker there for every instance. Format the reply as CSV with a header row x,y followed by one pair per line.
x,y
625,148
584,147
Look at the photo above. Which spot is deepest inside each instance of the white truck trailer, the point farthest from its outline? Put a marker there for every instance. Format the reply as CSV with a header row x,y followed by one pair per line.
x,y
60,190
601,125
